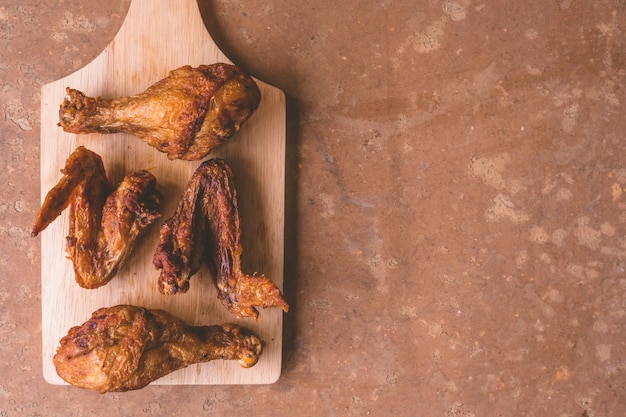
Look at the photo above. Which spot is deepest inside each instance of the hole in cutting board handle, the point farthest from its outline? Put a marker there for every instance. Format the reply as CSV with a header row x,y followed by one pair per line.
x,y
210,12
226,31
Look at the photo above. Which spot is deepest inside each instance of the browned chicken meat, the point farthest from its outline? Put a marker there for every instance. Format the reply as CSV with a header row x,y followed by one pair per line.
x,y
185,115
127,347
206,227
105,224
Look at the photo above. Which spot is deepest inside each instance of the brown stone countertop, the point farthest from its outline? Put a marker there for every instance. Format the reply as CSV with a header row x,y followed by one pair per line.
x,y
456,206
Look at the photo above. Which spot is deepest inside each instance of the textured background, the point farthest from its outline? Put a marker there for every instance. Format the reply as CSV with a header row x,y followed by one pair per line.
x,y
456,220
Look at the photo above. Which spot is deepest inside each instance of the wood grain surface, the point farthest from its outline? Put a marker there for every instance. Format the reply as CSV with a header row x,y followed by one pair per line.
x,y
156,37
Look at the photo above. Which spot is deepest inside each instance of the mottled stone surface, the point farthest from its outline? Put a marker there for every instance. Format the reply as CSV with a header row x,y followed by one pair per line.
x,y
456,224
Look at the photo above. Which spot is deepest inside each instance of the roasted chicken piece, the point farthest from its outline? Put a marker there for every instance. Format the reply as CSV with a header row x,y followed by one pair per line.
x,y
185,115
127,347
206,227
104,224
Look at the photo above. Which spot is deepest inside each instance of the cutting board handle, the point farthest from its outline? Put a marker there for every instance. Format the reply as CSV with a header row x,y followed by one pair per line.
x,y
140,44
171,17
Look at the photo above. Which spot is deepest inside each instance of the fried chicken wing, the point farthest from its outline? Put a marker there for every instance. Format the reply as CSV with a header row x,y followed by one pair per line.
x,y
185,115
127,347
204,228
104,224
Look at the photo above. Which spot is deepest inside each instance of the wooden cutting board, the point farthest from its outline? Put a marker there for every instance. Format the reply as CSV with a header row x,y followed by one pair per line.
x,y
156,37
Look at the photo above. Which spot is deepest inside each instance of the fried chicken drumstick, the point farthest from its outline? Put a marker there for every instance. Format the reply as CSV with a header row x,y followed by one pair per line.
x,y
104,223
205,227
127,347
185,115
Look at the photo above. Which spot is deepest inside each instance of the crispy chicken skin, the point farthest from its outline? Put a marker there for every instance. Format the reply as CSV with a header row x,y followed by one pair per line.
x,y
104,224
204,228
127,347
185,115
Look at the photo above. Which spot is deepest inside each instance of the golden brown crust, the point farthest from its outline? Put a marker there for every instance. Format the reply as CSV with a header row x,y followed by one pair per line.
x,y
104,224
206,227
82,168
127,347
186,115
